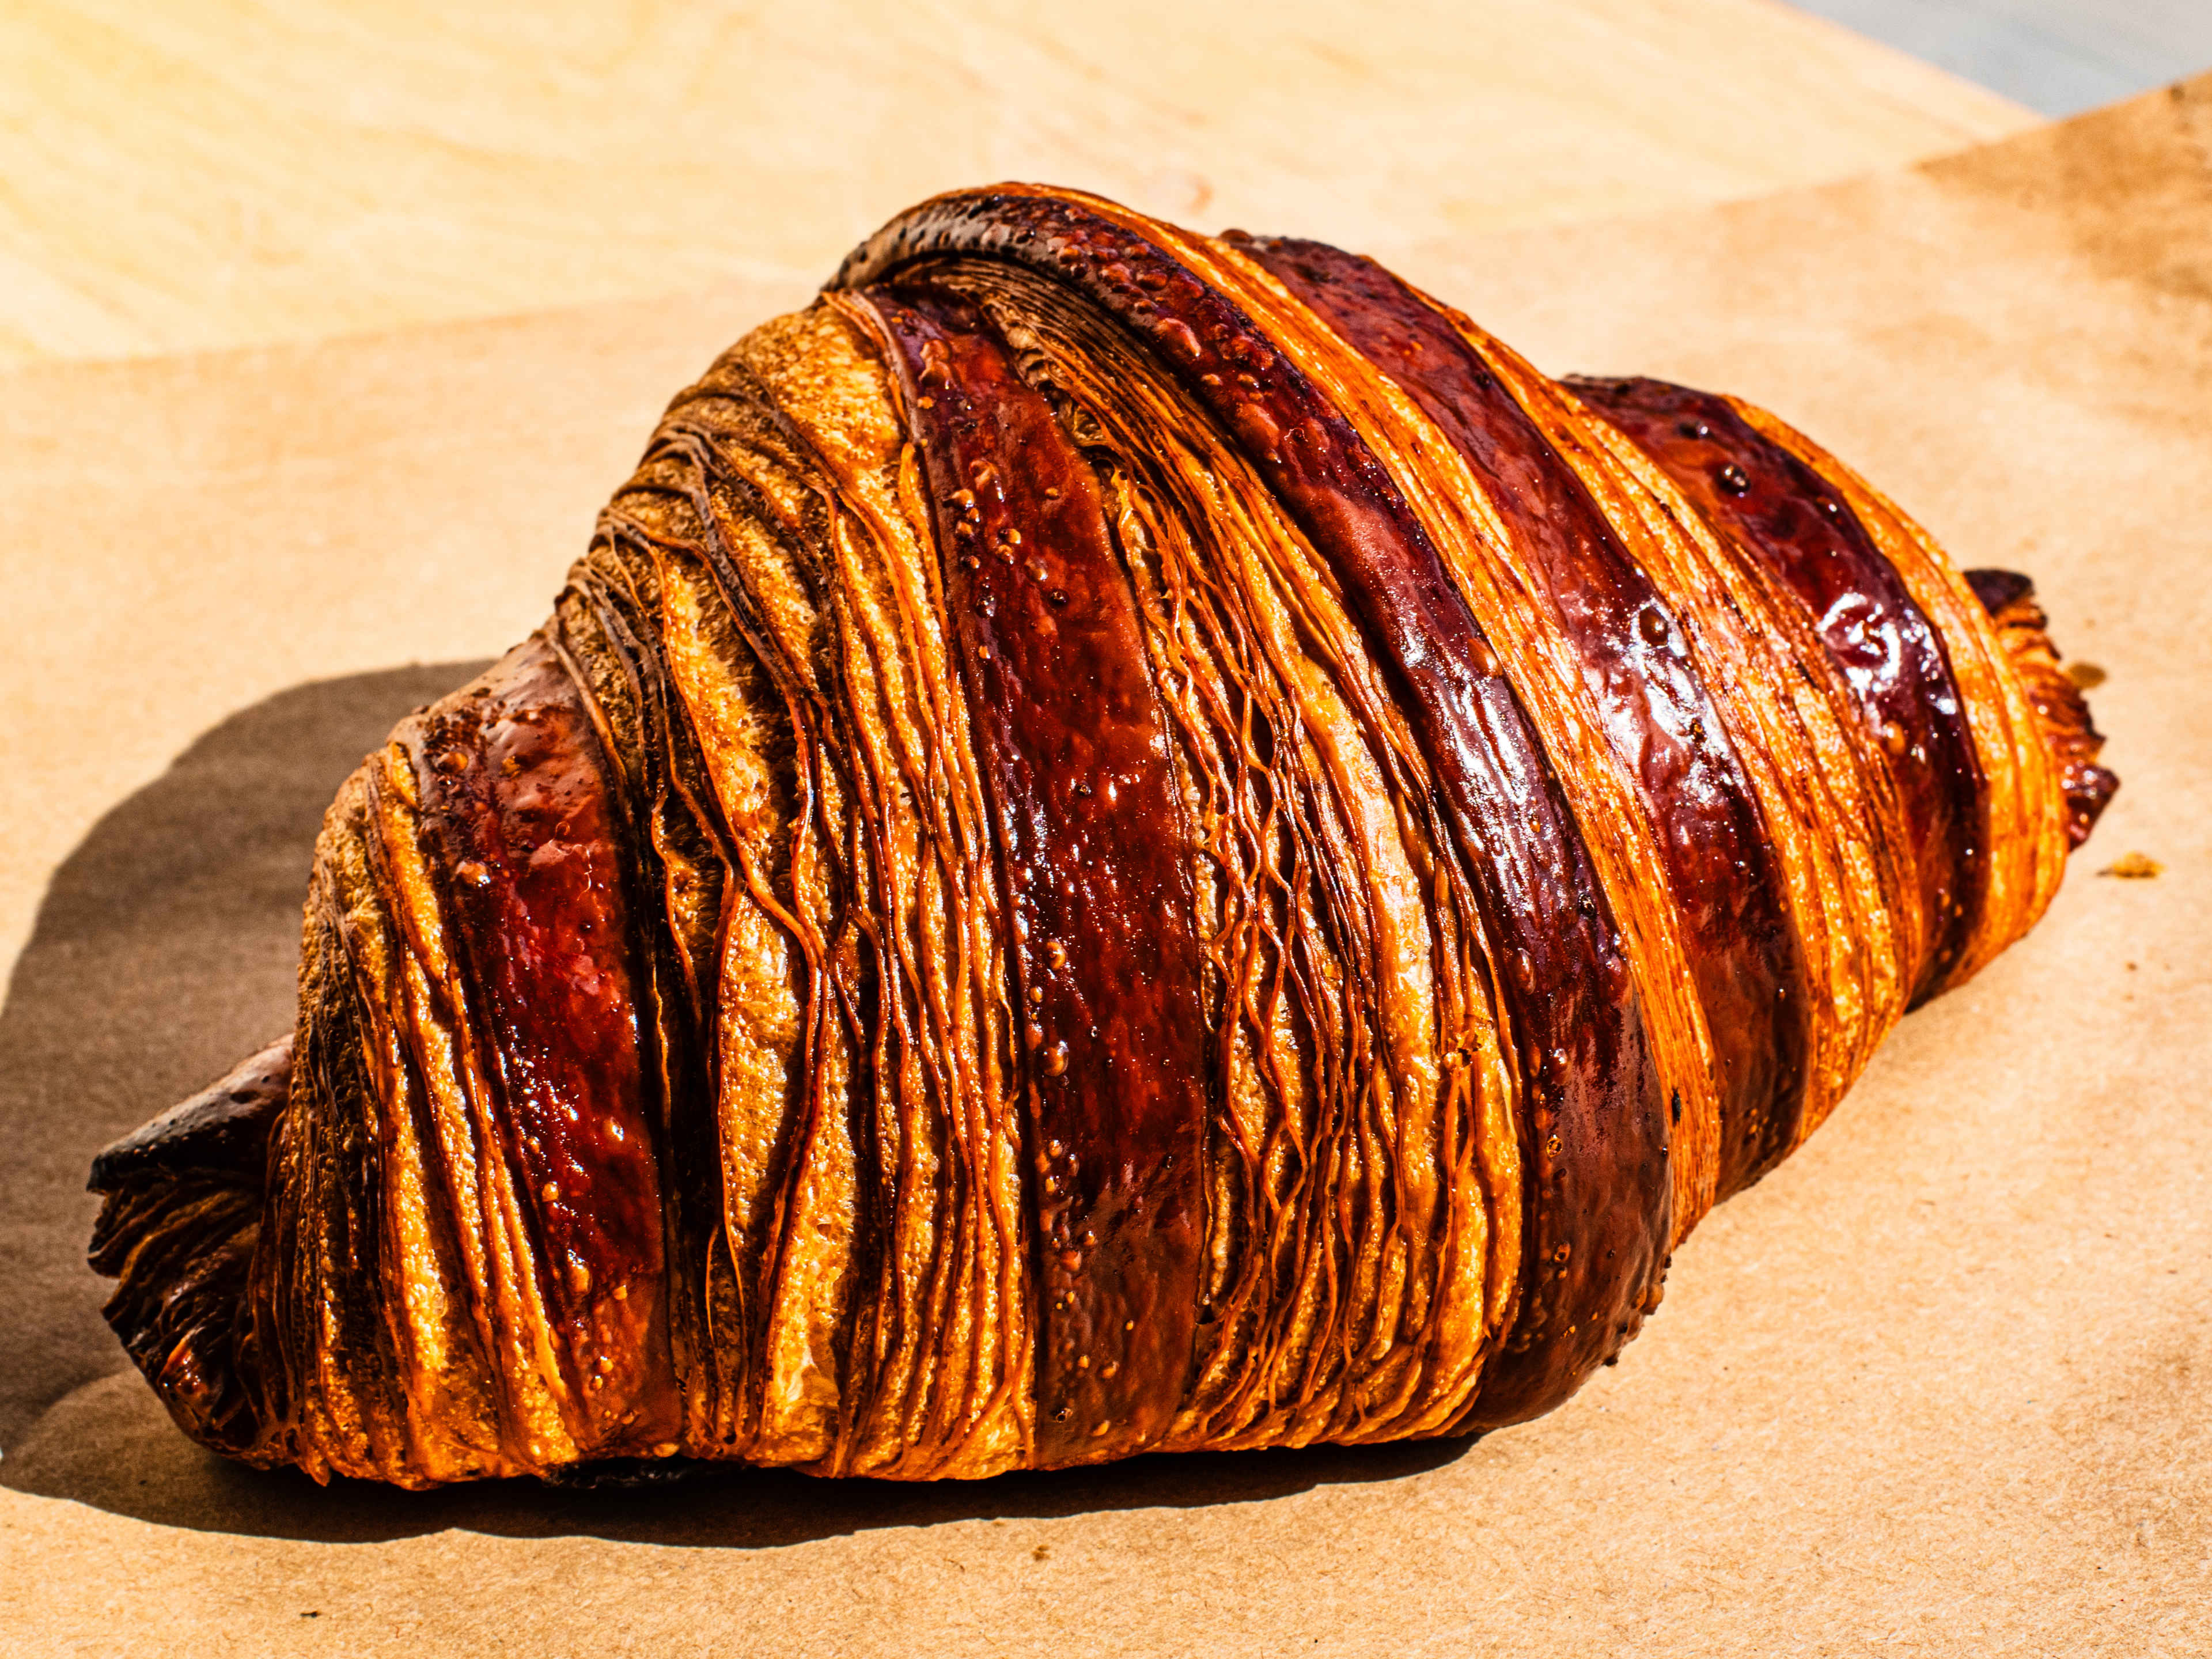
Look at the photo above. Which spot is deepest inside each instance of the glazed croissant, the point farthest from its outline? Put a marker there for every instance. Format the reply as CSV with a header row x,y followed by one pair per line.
x,y
1124,840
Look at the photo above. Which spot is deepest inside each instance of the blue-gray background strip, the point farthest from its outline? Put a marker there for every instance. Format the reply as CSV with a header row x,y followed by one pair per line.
x,y
2059,56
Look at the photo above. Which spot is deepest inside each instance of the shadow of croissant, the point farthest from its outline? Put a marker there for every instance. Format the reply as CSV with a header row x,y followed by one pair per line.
x,y
166,948
111,1445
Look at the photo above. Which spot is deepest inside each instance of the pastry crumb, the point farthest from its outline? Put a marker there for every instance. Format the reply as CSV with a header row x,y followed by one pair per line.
x,y
2133,867
2086,676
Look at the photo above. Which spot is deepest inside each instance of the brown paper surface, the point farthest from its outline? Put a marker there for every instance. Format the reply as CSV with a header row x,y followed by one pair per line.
x,y
1942,1384
192,175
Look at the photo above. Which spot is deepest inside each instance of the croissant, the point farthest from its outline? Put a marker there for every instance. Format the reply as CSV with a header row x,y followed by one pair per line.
x,y
1123,841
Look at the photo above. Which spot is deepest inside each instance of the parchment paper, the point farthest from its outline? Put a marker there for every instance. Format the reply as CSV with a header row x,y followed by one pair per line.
x,y
1941,1384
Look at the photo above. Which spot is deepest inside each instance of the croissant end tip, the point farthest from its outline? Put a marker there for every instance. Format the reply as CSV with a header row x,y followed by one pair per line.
x,y
224,1130
2061,710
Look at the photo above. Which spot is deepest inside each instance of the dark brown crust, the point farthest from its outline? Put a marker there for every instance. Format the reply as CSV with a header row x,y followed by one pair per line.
x,y
601,632
1737,930
1599,1200
527,837
1800,528
1075,749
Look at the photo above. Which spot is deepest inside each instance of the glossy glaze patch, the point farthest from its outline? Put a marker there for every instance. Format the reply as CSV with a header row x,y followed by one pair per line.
x,y
1797,525
1090,850
516,805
